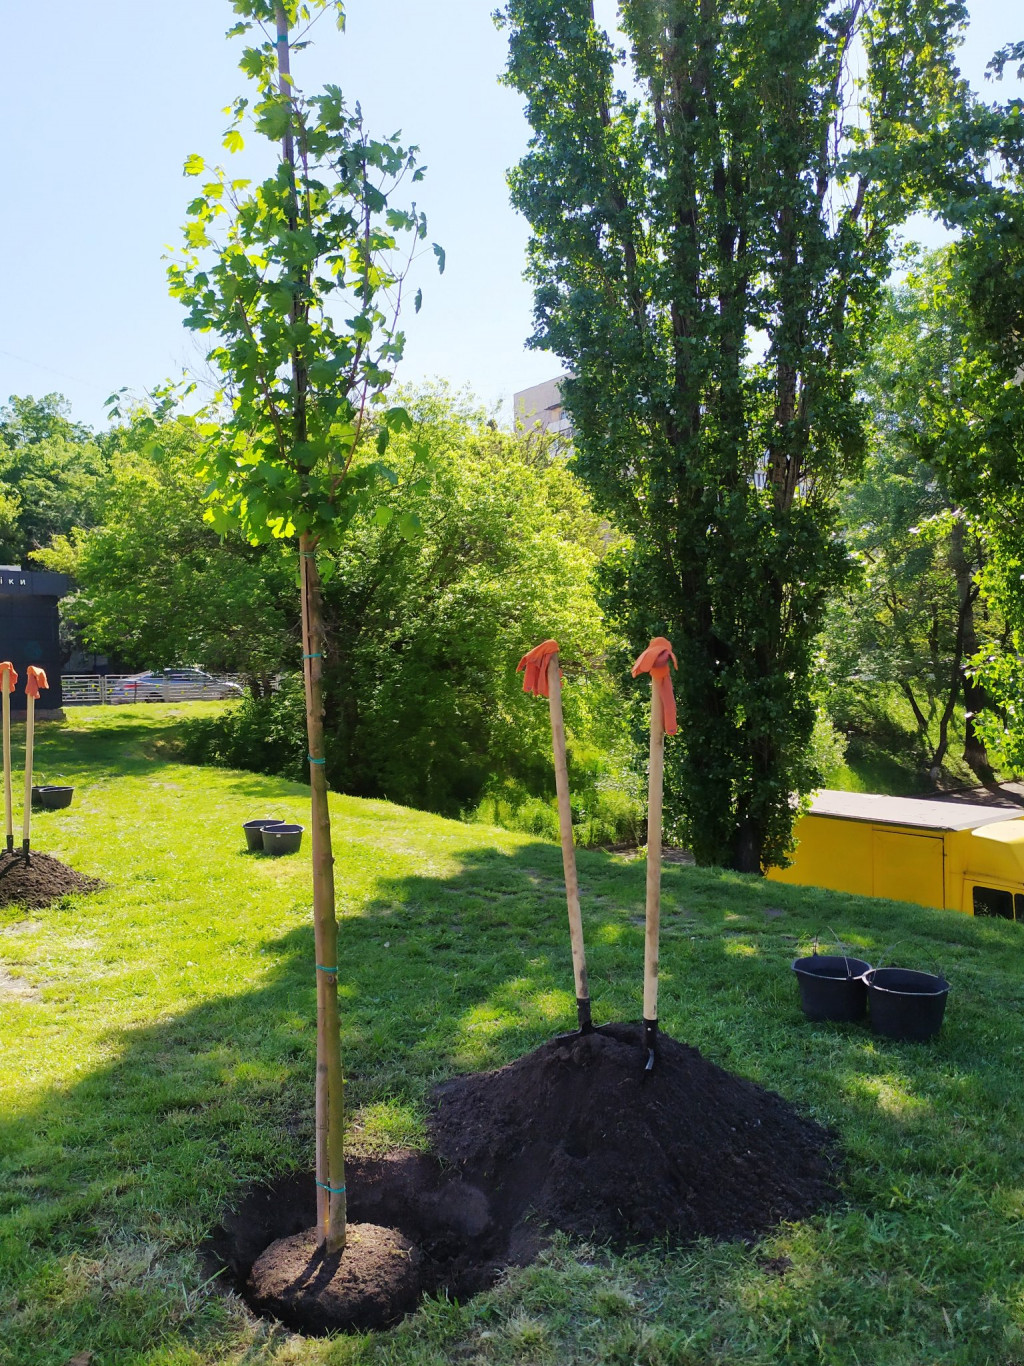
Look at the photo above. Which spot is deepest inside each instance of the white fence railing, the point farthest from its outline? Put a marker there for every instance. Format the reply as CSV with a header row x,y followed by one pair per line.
x,y
94,689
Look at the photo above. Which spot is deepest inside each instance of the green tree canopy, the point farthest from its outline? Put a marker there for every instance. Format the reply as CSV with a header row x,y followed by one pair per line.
x,y
422,702
52,475
915,617
711,233
960,388
156,584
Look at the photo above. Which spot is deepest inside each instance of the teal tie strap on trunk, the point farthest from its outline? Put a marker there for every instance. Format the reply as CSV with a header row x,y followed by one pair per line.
x,y
331,1190
315,761
320,968
318,655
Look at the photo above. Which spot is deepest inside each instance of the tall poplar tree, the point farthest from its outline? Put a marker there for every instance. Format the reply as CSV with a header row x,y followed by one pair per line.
x,y
712,215
299,279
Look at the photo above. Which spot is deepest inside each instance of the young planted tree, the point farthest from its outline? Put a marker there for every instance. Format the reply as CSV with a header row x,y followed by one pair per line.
x,y
712,213
299,281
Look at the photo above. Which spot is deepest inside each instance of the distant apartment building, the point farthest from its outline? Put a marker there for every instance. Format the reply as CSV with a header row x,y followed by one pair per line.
x,y
540,407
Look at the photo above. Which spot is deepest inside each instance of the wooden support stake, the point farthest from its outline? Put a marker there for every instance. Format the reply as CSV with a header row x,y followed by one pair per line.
x,y
572,891
30,736
655,782
8,794
332,1206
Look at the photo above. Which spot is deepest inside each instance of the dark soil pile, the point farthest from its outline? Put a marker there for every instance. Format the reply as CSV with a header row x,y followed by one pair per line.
x,y
573,1137
373,1282
576,1133
39,883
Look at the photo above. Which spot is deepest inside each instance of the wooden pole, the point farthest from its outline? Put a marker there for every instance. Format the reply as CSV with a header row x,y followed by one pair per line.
x,y
572,891
30,735
655,786
332,1206
8,794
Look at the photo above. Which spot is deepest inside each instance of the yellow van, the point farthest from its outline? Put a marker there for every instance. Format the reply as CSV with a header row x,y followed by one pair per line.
x,y
961,856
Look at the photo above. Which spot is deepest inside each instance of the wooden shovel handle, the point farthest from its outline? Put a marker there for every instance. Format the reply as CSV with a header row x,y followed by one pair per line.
x,y
30,734
656,780
8,794
572,891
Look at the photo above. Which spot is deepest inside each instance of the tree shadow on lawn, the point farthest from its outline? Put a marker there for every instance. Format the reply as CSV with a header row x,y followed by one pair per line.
x,y
106,742
442,974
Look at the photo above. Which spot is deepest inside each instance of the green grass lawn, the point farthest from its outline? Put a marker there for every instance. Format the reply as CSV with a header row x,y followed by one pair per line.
x,y
158,1055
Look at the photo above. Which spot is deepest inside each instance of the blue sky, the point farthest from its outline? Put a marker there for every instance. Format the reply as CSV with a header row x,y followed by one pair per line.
x,y
104,104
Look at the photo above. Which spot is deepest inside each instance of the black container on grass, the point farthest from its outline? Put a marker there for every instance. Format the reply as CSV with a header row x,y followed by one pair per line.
x,y
832,986
282,839
51,796
906,1004
254,832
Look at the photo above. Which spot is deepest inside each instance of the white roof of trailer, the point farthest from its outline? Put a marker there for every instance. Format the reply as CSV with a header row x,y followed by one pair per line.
x,y
914,811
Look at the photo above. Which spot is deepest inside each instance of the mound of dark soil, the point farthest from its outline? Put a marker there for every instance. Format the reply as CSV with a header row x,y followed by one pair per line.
x,y
39,883
573,1137
578,1134
373,1282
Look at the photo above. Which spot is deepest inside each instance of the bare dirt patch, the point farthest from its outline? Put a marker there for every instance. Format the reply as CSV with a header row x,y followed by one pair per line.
x,y
14,988
573,1137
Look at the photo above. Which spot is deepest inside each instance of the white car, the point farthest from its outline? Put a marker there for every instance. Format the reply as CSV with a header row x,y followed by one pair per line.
x,y
172,685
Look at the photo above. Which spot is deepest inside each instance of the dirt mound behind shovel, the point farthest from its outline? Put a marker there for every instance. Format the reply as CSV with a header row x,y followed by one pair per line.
x,y
575,1134
39,883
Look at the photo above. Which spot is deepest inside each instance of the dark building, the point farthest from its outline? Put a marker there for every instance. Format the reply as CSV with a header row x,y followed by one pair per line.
x,y
29,632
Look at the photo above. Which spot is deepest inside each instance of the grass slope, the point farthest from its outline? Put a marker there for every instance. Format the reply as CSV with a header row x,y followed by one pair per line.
x,y
157,1052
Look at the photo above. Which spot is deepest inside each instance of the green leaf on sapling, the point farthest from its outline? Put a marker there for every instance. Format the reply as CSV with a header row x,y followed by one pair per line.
x,y
274,119
398,419
194,165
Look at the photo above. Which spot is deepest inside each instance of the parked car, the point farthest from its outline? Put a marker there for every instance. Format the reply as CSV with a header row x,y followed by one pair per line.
x,y
172,685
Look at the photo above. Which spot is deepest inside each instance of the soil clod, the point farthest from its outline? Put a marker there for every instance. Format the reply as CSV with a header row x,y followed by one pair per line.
x,y
569,1137
39,883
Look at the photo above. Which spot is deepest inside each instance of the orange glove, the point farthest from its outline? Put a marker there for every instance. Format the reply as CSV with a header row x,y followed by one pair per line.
x,y
654,661
536,665
12,674
36,679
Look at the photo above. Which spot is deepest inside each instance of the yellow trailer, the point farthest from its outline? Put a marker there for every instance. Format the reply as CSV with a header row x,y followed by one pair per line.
x,y
961,856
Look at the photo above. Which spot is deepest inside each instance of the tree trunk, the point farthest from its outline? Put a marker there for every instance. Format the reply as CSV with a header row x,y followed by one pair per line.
x,y
975,697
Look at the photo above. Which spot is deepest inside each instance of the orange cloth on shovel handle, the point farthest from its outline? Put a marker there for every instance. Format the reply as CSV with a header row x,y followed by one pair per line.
x,y
34,680
9,667
536,665
654,661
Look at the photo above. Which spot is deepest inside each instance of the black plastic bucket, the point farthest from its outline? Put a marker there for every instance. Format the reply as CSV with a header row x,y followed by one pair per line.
x,y
254,832
52,797
906,1004
281,839
832,986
